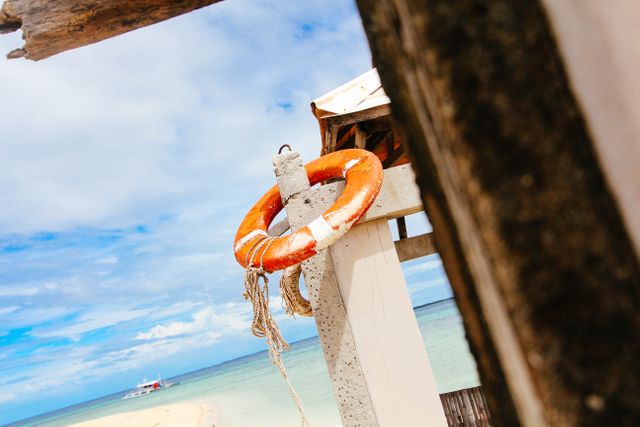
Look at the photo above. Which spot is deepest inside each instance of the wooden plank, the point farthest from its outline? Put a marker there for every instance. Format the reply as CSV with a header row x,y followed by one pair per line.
x,y
447,409
360,138
375,139
359,116
399,196
303,204
394,155
386,334
464,410
530,234
376,125
347,135
415,247
51,27
466,407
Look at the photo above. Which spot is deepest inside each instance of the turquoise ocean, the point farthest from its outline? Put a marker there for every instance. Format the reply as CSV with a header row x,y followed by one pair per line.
x,y
250,392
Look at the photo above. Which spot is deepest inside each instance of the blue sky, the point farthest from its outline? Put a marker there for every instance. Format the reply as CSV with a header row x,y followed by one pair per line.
x,y
125,168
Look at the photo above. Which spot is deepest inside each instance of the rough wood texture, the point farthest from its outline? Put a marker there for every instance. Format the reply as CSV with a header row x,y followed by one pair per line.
x,y
359,116
51,27
466,408
543,271
415,247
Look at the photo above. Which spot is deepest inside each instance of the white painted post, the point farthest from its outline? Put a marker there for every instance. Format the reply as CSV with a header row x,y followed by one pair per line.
x,y
370,337
387,338
303,204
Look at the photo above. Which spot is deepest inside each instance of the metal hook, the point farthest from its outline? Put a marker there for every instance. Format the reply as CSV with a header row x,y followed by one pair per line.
x,y
285,145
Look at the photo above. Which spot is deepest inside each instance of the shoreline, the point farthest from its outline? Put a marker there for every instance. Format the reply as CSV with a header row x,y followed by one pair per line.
x,y
194,413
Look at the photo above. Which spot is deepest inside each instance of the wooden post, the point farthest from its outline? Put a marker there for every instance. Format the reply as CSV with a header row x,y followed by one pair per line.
x,y
387,338
303,204
370,337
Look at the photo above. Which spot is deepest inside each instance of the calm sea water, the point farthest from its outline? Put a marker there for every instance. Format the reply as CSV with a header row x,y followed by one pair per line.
x,y
250,391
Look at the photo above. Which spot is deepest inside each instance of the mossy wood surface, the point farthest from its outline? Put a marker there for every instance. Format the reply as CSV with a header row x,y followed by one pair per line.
x,y
522,214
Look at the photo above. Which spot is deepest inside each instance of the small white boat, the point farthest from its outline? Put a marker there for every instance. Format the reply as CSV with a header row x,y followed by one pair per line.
x,y
146,387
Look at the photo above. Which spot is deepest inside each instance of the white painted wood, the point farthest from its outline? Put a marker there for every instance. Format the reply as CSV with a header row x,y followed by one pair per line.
x,y
399,196
374,351
387,338
600,45
303,204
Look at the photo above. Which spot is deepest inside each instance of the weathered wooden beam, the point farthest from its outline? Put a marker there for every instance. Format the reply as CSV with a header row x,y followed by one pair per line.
x,y
348,134
394,155
399,196
541,265
51,27
376,125
359,116
415,247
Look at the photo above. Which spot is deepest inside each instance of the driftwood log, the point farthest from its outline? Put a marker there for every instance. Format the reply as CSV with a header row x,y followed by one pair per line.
x,y
51,27
531,237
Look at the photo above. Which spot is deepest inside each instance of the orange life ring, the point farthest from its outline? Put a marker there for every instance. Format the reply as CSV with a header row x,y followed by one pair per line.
x,y
363,173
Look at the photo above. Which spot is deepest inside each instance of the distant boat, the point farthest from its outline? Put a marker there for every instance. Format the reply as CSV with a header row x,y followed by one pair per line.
x,y
146,387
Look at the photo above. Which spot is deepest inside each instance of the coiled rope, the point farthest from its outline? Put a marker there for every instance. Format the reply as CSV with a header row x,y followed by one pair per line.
x,y
293,301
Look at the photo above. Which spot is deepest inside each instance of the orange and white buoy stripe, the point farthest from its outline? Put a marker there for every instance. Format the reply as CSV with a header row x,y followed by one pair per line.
x,y
363,173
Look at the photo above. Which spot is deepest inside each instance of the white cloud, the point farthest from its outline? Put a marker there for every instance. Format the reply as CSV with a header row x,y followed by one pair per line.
x,y
170,330
8,310
50,286
18,291
225,320
108,260
139,122
428,265
427,284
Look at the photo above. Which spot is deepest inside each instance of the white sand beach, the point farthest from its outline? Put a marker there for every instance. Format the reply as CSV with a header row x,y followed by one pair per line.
x,y
183,414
